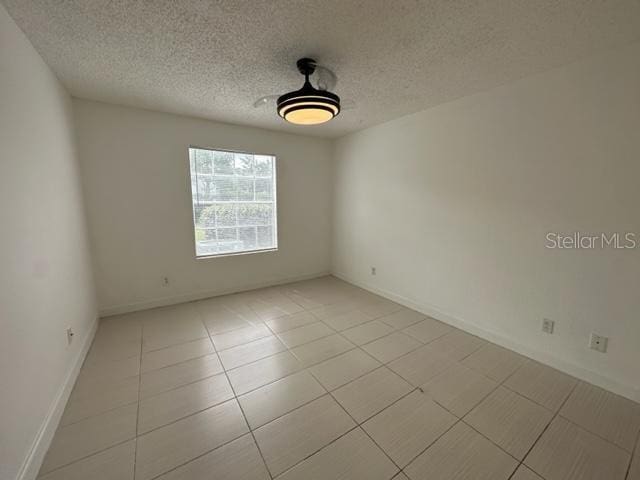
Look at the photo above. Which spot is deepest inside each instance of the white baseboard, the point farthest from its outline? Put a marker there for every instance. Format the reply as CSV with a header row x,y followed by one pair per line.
x,y
629,391
190,297
40,445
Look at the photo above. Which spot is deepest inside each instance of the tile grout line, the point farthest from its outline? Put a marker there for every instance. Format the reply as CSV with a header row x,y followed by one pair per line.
x,y
310,341
430,445
236,397
226,306
176,420
380,364
180,362
175,467
92,363
182,418
101,412
597,435
347,432
172,345
307,368
256,340
415,349
287,349
240,405
102,450
327,393
460,420
186,383
136,435
108,388
290,349
276,335
581,427
330,393
634,455
556,415
135,455
289,411
359,424
235,368
501,384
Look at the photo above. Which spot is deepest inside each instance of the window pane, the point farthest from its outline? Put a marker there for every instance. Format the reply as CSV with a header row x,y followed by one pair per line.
x,y
247,236
225,188
244,164
245,188
204,217
206,190
223,163
233,201
263,165
225,215
265,236
264,189
255,214
204,161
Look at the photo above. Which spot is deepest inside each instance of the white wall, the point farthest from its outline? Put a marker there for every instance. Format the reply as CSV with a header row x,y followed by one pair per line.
x,y
45,281
452,206
135,171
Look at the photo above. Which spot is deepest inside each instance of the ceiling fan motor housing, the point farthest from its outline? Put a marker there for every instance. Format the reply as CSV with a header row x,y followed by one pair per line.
x,y
306,66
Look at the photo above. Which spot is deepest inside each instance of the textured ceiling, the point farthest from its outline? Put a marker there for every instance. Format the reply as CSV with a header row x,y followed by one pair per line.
x,y
212,59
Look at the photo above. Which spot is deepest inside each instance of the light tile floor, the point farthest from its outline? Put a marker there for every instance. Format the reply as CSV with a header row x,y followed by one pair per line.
x,y
320,380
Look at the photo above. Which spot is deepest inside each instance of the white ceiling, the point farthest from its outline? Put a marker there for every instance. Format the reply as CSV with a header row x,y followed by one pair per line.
x,y
212,59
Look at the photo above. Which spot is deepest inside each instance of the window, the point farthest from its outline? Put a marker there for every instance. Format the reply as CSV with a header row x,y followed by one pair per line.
x,y
234,202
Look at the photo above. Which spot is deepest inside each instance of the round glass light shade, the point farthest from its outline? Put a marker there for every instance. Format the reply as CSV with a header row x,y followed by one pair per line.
x,y
308,106
308,116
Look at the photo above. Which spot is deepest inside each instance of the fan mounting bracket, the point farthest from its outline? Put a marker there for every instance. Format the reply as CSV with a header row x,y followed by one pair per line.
x,y
306,66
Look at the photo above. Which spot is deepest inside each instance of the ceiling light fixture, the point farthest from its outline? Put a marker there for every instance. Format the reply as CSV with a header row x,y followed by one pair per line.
x,y
308,106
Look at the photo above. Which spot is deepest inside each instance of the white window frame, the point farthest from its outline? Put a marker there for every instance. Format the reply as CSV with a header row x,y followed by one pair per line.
x,y
274,248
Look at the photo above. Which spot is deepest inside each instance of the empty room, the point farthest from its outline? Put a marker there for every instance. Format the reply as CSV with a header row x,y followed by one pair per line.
x,y
319,240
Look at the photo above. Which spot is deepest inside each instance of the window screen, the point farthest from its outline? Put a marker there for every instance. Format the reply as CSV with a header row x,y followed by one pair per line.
x,y
234,201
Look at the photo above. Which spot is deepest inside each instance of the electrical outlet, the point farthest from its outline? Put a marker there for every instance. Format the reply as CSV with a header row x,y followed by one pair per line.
x,y
69,335
598,343
165,281
373,270
548,325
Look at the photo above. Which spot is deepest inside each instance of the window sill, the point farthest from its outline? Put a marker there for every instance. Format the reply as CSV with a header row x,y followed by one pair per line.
x,y
235,254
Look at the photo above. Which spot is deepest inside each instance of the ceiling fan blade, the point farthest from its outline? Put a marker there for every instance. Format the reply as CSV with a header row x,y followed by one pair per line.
x,y
266,100
325,79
